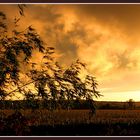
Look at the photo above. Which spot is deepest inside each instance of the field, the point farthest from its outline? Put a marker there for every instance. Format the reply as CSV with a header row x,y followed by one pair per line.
x,y
72,122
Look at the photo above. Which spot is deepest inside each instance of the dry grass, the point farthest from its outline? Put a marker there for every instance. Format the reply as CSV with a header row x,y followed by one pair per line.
x,y
43,117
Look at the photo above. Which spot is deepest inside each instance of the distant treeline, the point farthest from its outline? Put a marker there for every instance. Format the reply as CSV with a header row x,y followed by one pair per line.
x,y
47,104
65,104
117,105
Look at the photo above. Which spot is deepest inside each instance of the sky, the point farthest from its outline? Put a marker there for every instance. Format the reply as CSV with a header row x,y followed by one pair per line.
x,y
105,37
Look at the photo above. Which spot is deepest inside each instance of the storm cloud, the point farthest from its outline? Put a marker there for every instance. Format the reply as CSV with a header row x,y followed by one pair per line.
x,y
106,37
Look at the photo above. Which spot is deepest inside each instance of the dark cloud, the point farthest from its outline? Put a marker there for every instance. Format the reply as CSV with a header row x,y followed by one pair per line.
x,y
126,16
54,31
46,13
106,37
123,61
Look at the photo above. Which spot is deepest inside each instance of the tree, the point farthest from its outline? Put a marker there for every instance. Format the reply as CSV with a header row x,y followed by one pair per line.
x,y
16,50
57,84
49,80
131,104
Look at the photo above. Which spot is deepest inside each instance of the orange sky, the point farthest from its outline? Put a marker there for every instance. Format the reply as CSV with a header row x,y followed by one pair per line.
x,y
106,37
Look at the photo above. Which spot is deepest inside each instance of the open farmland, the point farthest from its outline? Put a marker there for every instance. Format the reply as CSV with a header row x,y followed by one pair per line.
x,y
76,122
43,117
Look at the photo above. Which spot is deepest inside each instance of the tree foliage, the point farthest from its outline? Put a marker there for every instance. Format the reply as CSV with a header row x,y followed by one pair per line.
x,y
15,50
49,80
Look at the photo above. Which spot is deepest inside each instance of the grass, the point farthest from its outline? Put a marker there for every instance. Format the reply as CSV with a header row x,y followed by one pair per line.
x,y
78,122
42,117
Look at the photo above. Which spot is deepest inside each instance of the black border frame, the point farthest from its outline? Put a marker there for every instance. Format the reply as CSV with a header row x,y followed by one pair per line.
x,y
70,2
71,138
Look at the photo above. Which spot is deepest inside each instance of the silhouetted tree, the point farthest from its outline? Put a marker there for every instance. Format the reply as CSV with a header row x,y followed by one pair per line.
x,y
131,104
16,49
49,80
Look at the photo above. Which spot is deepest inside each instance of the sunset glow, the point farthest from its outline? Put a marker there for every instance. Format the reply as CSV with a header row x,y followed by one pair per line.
x,y
105,37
